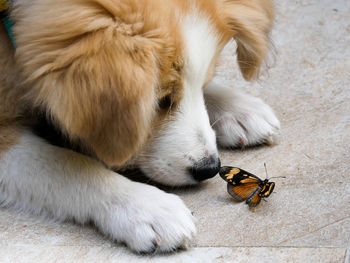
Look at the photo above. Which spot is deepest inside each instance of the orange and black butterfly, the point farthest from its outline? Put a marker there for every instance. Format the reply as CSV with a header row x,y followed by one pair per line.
x,y
242,185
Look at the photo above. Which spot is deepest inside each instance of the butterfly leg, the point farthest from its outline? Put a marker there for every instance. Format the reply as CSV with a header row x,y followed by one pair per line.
x,y
240,119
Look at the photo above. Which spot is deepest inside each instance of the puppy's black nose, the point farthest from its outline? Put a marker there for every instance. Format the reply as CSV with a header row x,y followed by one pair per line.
x,y
205,168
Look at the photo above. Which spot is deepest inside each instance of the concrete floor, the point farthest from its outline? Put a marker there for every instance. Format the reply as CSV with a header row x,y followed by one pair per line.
x,y
307,218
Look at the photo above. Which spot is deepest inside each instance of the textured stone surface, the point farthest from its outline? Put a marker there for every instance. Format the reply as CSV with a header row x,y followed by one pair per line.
x,y
195,255
308,87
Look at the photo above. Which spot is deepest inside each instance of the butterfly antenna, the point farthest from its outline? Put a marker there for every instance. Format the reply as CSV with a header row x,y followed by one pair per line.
x,y
266,170
278,177
271,177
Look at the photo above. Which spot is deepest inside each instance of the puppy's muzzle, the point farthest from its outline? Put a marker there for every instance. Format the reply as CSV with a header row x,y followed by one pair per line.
x,y
206,168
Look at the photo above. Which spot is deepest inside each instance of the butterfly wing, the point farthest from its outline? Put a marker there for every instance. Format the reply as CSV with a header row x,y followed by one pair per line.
x,y
255,198
242,185
235,176
263,191
228,172
242,192
267,189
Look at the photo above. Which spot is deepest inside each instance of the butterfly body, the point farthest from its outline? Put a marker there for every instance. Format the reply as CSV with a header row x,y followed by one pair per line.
x,y
244,186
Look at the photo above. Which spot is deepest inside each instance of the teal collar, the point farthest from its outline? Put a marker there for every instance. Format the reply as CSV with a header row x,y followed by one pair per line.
x,y
8,23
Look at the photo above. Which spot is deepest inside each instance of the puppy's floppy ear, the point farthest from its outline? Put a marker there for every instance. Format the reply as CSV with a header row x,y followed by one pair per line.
x,y
250,22
94,74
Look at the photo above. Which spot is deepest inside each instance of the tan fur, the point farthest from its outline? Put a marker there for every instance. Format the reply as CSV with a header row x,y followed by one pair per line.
x,y
9,131
99,67
9,114
99,78
9,136
250,23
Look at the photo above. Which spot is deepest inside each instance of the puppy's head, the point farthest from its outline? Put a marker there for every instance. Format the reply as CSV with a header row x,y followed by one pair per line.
x,y
126,78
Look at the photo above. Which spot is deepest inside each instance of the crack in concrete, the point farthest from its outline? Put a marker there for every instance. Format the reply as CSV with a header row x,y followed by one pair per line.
x,y
347,253
318,229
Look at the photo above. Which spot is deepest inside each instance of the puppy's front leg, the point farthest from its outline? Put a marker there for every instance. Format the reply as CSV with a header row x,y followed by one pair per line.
x,y
238,118
52,181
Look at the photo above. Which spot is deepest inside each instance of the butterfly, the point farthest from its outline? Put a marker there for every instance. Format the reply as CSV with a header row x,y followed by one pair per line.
x,y
242,185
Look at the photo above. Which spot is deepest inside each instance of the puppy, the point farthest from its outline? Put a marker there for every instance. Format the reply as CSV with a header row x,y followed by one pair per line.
x,y
124,83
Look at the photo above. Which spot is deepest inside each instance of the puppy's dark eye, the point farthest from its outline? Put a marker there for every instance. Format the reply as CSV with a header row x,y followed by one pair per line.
x,y
165,102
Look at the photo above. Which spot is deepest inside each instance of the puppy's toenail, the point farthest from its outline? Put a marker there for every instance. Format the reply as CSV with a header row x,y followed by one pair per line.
x,y
156,243
243,141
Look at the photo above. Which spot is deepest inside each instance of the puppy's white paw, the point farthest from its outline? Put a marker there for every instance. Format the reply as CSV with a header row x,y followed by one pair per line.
x,y
147,219
242,120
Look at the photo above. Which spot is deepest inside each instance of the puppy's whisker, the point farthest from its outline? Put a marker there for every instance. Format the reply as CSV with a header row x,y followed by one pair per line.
x,y
171,106
216,121
248,64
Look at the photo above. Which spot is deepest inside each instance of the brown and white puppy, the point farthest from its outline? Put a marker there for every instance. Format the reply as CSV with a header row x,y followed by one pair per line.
x,y
126,82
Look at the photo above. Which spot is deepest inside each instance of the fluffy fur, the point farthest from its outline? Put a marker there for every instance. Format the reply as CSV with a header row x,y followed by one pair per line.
x,y
125,83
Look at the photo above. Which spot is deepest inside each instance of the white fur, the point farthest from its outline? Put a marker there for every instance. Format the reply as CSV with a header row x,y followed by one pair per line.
x,y
201,41
188,138
52,181
240,119
59,183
